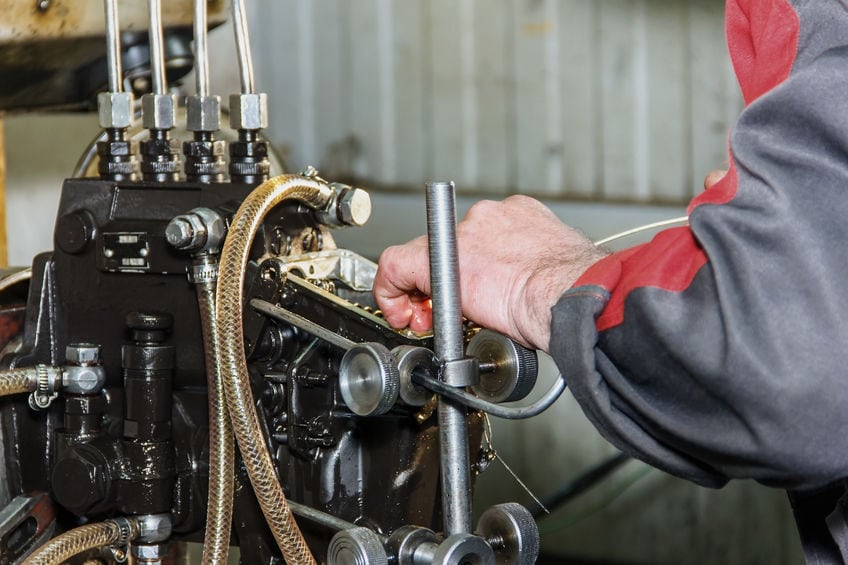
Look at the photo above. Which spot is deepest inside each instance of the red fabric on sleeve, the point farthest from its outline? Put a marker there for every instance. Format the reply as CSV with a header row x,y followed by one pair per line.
x,y
762,37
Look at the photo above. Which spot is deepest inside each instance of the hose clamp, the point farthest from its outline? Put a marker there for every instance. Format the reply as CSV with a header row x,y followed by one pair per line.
x,y
47,382
125,531
202,273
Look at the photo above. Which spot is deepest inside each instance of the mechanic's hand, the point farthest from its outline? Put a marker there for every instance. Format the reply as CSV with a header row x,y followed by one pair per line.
x,y
515,260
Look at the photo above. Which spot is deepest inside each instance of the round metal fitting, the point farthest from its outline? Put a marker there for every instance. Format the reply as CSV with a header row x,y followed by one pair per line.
x,y
369,379
405,541
87,379
513,533
464,549
82,354
186,232
356,546
409,360
154,528
507,370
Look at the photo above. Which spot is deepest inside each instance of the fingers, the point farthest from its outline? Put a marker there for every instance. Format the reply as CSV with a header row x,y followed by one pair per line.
x,y
401,285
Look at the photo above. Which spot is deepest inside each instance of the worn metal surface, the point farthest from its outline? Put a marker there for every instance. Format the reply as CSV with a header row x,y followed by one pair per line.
x,y
624,100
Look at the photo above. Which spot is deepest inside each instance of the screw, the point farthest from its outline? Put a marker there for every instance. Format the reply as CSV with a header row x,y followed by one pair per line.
x,y
42,5
179,232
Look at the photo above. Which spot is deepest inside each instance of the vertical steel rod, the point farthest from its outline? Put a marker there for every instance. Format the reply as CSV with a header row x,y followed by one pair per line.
x,y
243,46
449,346
157,50
113,46
201,49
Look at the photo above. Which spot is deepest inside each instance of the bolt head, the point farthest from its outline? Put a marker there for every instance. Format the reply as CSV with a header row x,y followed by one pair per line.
x,y
150,552
179,232
203,113
158,111
249,111
82,354
354,207
115,109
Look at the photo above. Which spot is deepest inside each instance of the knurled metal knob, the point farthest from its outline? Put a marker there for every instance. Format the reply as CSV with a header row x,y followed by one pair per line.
x,y
409,360
508,370
356,546
512,533
369,379
461,549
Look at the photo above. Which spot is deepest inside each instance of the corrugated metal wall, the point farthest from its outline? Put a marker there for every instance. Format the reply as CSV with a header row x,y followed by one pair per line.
x,y
621,100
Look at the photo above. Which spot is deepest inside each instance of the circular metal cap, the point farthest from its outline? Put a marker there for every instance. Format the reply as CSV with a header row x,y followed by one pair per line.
x,y
369,379
515,367
410,359
356,546
513,533
464,549
404,541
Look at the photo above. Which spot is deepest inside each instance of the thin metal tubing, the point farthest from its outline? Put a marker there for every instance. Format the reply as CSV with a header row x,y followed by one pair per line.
x,y
299,321
496,410
157,49
201,49
324,519
113,46
449,346
243,47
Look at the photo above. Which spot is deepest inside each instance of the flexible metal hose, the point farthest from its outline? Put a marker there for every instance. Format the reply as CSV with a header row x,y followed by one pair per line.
x,y
219,509
91,536
240,401
17,381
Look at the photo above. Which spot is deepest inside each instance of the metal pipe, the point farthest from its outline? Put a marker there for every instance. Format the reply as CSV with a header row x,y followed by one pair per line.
x,y
324,519
201,49
243,47
506,412
157,49
113,46
299,321
449,346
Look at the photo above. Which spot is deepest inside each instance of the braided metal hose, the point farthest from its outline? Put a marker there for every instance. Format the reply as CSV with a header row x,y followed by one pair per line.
x,y
240,400
219,509
91,536
18,381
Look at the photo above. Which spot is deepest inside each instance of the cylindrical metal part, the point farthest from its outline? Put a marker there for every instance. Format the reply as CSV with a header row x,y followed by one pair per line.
x,y
243,46
201,49
157,50
113,46
449,346
448,336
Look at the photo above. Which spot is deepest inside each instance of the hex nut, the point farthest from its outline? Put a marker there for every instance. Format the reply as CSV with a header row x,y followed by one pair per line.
x,y
82,354
249,111
186,232
354,207
150,552
115,109
203,113
158,111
